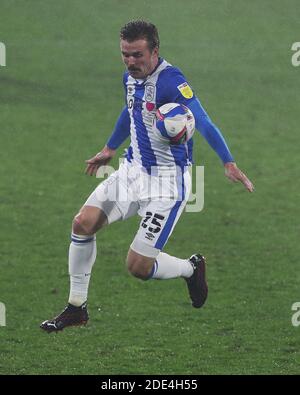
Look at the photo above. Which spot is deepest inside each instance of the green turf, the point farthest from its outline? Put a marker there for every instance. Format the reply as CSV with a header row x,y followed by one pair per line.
x,y
60,94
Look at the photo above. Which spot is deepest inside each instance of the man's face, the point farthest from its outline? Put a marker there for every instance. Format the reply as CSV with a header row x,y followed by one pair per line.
x,y
139,60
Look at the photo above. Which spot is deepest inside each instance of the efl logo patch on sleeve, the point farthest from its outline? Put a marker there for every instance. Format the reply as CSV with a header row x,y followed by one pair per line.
x,y
185,90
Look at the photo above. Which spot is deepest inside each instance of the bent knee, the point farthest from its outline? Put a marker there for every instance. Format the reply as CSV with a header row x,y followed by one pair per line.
x,y
139,267
83,225
89,220
79,226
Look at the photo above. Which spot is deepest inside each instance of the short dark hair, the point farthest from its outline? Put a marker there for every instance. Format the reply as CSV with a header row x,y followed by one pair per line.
x,y
140,29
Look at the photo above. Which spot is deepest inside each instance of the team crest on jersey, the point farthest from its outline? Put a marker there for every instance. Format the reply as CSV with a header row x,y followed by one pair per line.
x,y
149,93
185,90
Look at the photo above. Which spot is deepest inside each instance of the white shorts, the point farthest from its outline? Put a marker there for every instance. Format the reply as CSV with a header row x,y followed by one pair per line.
x,y
159,198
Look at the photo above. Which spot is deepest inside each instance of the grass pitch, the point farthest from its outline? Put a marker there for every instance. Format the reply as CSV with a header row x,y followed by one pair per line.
x,y
60,95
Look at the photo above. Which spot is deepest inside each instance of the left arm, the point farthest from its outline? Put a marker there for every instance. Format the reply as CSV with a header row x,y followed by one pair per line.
x,y
215,139
209,131
180,92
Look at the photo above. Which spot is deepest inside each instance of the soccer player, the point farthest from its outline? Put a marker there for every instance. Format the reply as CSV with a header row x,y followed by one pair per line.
x,y
149,82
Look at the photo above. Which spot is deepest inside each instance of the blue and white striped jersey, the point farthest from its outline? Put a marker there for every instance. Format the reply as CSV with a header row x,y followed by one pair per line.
x,y
166,84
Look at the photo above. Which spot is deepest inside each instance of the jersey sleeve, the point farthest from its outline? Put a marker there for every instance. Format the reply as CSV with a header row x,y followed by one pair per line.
x,y
122,127
176,89
210,131
121,130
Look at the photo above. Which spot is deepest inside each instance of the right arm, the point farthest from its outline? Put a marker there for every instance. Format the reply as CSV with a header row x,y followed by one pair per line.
x,y
118,136
121,130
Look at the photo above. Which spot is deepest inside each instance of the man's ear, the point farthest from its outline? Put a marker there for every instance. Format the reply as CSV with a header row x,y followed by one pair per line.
x,y
155,52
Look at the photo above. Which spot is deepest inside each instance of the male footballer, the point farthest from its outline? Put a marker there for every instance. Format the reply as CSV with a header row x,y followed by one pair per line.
x,y
149,82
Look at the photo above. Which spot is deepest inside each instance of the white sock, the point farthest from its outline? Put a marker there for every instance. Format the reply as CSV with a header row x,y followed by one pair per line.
x,y
82,255
167,266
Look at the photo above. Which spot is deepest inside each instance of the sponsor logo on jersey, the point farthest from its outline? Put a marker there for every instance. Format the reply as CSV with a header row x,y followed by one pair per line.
x,y
185,90
130,89
149,236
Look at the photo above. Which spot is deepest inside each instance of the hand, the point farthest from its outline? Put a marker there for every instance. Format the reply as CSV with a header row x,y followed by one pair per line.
x,y
101,159
235,174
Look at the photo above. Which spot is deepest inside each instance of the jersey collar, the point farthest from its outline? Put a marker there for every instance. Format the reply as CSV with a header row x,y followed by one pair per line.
x,y
157,68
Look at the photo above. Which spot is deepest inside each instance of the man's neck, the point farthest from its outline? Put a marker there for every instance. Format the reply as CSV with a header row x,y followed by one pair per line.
x,y
157,63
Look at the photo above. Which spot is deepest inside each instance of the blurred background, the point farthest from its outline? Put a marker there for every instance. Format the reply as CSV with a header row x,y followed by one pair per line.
x,y
60,95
